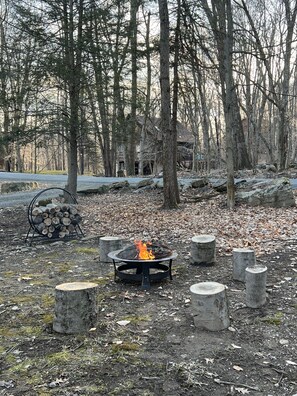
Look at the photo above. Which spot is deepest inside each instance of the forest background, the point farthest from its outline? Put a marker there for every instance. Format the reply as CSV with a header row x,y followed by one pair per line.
x,y
77,74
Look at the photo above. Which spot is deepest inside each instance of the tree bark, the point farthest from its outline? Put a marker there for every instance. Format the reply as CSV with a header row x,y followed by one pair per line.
x,y
170,191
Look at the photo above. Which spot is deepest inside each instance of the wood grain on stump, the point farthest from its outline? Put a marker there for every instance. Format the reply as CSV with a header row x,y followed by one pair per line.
x,y
75,307
242,258
210,306
109,244
203,249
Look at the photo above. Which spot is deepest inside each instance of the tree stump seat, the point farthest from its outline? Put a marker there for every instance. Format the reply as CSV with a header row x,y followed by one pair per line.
x,y
75,307
210,306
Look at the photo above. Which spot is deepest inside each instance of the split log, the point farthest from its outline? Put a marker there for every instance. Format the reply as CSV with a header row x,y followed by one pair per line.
x,y
75,307
55,221
210,306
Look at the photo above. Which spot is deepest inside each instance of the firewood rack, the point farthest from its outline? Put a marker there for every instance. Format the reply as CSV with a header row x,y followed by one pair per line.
x,y
47,195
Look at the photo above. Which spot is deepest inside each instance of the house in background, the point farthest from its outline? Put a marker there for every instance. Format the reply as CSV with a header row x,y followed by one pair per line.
x,y
149,148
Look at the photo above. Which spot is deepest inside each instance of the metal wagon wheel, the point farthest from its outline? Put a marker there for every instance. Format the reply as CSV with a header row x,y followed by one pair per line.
x,y
38,198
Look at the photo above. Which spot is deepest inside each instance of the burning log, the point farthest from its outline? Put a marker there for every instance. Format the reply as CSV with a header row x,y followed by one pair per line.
x,y
55,221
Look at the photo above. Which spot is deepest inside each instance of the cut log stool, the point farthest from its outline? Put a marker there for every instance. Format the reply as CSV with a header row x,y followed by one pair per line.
x,y
109,244
75,307
203,249
210,306
242,258
255,283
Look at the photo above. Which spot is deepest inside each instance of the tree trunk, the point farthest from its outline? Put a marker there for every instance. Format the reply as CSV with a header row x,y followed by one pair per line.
x,y
170,193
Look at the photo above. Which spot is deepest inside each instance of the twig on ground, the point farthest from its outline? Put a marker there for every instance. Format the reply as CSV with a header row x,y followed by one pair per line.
x,y
218,381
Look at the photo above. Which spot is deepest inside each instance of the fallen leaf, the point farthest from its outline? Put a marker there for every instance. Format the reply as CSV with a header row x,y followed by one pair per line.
x,y
238,368
123,322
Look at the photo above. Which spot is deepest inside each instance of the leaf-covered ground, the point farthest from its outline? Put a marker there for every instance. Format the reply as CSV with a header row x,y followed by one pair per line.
x,y
144,342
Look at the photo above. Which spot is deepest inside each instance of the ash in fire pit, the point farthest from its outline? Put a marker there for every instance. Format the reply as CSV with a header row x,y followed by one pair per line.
x,y
142,263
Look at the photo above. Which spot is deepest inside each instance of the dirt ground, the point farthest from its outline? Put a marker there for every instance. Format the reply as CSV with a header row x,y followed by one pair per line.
x,y
144,342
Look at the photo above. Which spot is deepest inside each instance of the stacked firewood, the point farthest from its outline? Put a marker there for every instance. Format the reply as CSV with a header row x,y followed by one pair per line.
x,y
55,220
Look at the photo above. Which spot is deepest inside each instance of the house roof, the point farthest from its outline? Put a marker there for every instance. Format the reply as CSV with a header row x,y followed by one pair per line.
x,y
153,127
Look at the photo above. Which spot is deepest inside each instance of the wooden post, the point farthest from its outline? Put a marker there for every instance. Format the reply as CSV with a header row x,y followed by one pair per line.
x,y
75,307
255,282
108,244
242,258
203,249
210,306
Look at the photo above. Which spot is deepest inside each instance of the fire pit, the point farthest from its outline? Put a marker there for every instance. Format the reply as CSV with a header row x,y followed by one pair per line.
x,y
143,262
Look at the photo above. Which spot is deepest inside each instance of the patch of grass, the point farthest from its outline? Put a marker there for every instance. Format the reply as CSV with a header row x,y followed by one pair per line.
x,y
60,357
137,319
48,300
273,320
30,331
22,368
47,319
10,274
86,250
8,332
125,347
65,267
123,387
23,299
91,389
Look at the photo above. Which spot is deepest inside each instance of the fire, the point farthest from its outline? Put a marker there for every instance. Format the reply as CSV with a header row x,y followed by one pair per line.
x,y
143,252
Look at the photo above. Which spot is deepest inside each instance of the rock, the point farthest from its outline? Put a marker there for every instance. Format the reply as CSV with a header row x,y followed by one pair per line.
x,y
18,186
144,183
271,168
198,183
119,185
219,185
271,193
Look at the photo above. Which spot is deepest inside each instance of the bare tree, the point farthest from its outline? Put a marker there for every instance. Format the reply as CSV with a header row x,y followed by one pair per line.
x,y
170,190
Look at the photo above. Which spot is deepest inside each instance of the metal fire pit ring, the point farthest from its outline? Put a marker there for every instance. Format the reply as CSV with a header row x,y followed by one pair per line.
x,y
142,269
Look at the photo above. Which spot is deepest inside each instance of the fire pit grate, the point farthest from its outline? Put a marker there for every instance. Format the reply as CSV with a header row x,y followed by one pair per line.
x,y
128,267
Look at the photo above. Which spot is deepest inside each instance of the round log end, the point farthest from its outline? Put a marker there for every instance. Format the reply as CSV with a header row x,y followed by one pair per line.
x,y
256,269
243,250
76,286
207,288
203,238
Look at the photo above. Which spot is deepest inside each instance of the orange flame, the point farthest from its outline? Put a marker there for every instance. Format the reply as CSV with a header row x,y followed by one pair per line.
x,y
143,252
